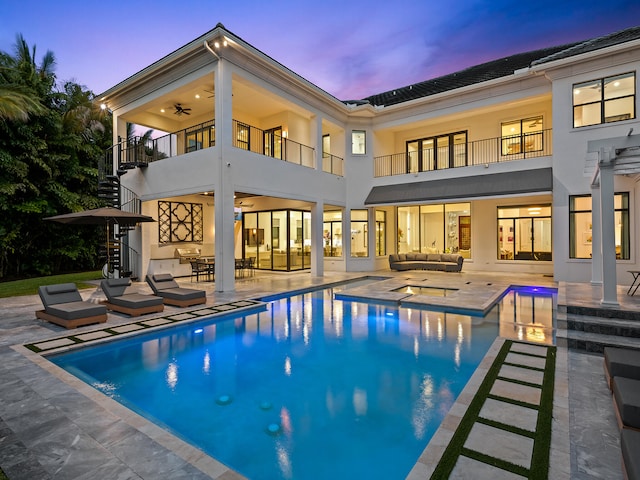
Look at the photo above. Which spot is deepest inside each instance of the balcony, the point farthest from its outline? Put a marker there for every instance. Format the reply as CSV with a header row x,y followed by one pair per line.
x,y
478,152
140,151
274,143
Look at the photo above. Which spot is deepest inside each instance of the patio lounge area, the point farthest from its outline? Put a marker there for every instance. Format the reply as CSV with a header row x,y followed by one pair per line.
x,y
54,426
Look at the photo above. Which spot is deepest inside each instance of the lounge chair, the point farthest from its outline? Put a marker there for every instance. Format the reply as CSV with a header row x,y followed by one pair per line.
x,y
630,447
621,362
64,306
163,285
133,304
626,402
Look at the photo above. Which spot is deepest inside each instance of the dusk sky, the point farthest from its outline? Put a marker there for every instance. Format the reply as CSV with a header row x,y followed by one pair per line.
x,y
350,48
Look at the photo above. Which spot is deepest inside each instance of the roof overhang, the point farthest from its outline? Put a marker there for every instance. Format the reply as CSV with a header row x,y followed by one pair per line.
x,y
498,184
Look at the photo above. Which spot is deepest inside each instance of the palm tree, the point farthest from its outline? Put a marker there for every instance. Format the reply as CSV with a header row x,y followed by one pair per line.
x,y
23,83
17,103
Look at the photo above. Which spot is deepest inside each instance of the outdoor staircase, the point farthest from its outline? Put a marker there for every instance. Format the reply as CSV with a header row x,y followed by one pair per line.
x,y
593,329
122,258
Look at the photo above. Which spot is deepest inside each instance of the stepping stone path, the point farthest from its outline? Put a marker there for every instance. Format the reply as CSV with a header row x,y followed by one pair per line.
x,y
506,430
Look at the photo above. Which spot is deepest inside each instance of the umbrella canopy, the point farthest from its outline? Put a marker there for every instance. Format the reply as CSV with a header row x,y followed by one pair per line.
x,y
101,216
107,216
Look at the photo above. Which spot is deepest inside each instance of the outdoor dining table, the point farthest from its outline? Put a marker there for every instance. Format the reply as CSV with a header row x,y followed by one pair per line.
x,y
209,266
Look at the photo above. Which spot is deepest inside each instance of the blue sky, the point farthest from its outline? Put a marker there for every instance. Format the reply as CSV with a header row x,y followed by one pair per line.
x,y
351,49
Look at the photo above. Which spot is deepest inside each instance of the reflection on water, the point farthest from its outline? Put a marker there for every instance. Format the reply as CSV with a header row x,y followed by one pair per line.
x,y
312,387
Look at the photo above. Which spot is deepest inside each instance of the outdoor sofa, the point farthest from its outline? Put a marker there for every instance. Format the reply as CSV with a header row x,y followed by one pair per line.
x,y
446,262
164,285
133,304
64,306
622,371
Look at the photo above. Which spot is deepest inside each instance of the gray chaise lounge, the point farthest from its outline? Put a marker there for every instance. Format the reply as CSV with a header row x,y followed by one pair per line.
x,y
163,285
133,304
630,447
621,362
64,306
626,402
445,262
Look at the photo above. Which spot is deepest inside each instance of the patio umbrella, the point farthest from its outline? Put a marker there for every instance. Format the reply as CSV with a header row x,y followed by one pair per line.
x,y
108,216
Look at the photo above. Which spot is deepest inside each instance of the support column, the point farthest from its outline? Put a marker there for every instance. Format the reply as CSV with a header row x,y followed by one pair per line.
x,y
317,239
596,236
609,277
316,142
224,190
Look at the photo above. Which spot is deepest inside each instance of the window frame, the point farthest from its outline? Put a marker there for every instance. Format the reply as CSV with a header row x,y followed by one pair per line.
x,y
625,226
510,236
436,163
520,139
365,226
381,232
604,100
362,146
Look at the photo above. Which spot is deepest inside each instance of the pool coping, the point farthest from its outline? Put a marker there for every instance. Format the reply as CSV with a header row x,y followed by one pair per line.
x,y
466,299
100,334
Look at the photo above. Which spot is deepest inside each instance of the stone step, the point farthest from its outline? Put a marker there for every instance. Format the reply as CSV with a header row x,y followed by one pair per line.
x,y
605,326
602,312
593,342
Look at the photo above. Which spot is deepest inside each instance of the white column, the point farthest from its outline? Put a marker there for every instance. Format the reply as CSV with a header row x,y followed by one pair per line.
x,y
317,239
596,236
609,278
224,190
346,237
316,140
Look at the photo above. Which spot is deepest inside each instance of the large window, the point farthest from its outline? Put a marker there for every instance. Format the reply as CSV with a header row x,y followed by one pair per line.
x,y
521,136
436,153
580,231
524,233
332,233
359,244
358,142
381,233
438,228
609,99
277,239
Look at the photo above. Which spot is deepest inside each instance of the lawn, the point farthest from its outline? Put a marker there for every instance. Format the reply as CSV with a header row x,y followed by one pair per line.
x,y
30,285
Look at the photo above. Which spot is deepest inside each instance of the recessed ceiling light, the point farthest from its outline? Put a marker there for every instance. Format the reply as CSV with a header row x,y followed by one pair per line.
x,y
162,110
197,96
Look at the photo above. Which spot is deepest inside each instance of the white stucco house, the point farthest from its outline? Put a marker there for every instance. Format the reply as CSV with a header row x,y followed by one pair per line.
x,y
525,164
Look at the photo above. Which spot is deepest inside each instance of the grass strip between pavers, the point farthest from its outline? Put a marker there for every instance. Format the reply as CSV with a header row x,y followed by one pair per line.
x,y
542,443
542,437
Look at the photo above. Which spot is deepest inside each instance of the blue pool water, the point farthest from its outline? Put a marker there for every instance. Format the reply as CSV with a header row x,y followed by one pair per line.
x,y
310,388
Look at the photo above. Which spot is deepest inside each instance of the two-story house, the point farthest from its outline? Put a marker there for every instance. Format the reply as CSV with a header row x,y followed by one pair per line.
x,y
524,164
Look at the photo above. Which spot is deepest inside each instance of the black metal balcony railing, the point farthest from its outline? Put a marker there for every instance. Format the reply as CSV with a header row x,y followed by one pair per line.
x,y
138,151
478,152
266,142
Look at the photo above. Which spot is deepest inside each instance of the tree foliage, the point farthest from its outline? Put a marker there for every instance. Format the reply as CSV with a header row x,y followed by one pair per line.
x,y
50,140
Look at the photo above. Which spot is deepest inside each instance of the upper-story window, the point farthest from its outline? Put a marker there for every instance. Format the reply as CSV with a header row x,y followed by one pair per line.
x,y
609,99
436,153
358,142
523,135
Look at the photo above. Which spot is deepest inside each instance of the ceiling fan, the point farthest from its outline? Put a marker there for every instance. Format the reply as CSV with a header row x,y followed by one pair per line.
x,y
180,109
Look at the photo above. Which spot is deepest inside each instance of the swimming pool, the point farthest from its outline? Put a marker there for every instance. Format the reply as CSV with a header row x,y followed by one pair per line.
x,y
310,388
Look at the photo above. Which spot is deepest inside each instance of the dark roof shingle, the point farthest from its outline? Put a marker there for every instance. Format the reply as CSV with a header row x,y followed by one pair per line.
x,y
496,69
